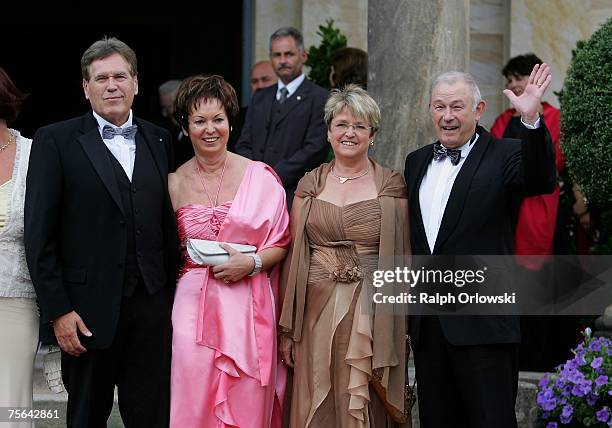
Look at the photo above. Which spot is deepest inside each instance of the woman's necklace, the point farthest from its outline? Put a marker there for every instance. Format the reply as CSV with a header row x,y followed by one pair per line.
x,y
345,179
11,140
213,204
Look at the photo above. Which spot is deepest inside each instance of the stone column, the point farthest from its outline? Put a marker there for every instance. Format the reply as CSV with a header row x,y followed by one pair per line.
x,y
409,43
268,16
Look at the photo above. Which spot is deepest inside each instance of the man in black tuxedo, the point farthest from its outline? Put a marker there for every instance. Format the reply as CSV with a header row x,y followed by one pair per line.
x,y
101,246
465,191
284,125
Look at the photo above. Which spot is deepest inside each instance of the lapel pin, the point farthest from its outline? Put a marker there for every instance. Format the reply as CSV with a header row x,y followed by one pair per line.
x,y
161,139
298,98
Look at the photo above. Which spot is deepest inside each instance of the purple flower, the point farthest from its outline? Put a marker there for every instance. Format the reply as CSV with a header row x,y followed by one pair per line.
x,y
581,389
601,380
597,362
580,386
574,376
567,414
546,399
595,346
566,391
571,364
603,415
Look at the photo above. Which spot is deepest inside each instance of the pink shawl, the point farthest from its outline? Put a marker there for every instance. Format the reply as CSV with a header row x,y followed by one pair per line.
x,y
258,216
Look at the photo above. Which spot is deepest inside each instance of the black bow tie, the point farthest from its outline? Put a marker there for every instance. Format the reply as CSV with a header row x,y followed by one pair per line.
x,y
440,152
108,132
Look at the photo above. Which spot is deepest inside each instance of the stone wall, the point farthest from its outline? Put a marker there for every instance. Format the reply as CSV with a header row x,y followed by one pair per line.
x,y
551,28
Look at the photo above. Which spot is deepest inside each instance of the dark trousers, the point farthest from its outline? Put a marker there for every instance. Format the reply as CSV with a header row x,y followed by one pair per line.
x,y
137,362
464,386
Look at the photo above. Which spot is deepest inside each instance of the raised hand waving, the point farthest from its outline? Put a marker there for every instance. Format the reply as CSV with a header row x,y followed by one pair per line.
x,y
528,103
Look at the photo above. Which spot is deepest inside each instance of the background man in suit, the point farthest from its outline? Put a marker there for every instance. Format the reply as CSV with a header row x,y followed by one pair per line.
x,y
284,126
182,150
262,76
465,191
101,245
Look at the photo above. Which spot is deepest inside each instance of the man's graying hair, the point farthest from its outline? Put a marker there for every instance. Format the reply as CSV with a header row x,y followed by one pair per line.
x,y
288,32
451,77
104,48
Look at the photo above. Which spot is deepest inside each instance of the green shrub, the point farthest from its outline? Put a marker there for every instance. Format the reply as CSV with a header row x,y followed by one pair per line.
x,y
586,128
319,58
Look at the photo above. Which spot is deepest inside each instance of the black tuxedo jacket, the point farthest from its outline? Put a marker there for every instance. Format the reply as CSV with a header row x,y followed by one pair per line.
x,y
75,228
480,216
292,142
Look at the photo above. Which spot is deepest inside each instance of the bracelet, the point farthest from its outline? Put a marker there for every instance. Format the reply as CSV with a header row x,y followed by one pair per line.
x,y
258,264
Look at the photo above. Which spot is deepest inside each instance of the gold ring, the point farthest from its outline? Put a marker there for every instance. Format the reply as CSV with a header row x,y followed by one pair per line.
x,y
226,281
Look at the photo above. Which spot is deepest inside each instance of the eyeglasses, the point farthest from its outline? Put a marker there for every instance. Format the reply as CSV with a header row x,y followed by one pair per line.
x,y
342,127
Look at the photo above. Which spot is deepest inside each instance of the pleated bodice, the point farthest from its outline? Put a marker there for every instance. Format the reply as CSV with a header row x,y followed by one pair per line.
x,y
343,240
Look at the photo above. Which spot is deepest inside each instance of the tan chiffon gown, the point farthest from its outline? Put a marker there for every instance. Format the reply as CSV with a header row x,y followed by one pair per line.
x,y
333,360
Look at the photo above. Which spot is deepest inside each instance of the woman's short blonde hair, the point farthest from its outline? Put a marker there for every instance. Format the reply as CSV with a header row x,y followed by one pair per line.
x,y
357,101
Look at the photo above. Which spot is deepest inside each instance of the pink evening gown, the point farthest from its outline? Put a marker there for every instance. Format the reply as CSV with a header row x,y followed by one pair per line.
x,y
225,364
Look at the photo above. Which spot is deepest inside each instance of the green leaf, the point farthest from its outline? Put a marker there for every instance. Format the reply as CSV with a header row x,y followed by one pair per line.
x,y
319,57
586,134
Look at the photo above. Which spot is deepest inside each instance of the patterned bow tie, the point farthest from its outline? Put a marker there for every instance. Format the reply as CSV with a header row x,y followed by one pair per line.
x,y
108,132
440,152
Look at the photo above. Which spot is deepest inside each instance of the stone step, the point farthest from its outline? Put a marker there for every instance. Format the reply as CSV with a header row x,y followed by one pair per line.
x,y
526,410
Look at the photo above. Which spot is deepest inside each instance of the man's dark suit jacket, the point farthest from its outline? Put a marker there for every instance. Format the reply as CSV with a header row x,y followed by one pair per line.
x,y
480,216
75,226
292,142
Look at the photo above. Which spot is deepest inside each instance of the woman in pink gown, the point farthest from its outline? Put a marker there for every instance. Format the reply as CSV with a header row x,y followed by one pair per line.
x,y
225,369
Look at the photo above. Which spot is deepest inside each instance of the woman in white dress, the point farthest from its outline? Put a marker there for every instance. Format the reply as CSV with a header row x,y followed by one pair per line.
x,y
18,310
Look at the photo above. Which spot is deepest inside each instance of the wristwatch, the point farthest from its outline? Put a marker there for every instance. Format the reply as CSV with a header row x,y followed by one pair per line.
x,y
258,264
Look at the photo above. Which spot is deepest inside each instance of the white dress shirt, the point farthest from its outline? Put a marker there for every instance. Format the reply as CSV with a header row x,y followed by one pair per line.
x,y
291,86
123,149
435,191
437,185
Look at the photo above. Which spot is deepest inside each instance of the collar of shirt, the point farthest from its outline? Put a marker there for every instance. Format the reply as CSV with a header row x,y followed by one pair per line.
x,y
102,122
291,86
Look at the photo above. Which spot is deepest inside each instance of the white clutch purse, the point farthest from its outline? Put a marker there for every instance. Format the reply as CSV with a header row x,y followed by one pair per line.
x,y
209,253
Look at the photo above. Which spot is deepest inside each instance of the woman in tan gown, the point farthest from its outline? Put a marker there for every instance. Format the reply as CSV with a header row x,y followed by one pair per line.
x,y
349,218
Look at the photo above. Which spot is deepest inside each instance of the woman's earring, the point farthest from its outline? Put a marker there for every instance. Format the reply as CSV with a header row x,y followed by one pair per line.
x,y
372,143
